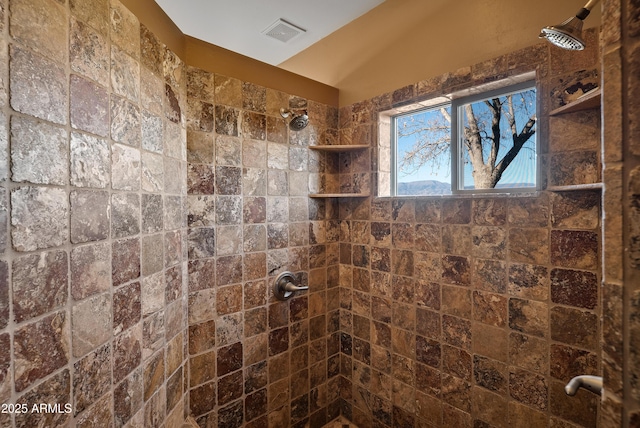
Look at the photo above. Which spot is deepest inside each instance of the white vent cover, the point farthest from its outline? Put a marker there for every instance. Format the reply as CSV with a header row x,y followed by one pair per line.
x,y
283,30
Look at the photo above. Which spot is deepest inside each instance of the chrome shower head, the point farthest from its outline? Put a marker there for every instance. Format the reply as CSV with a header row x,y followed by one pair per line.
x,y
568,34
299,120
565,35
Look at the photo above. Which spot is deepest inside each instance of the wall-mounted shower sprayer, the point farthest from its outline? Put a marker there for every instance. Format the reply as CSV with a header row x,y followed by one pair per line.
x,y
299,118
568,35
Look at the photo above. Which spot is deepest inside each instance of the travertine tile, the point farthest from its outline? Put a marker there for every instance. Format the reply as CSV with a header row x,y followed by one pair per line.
x,y
529,245
39,284
528,281
151,132
125,29
228,210
4,294
201,242
90,270
125,214
90,164
56,389
40,348
127,307
95,14
152,293
574,168
228,91
151,91
101,411
574,327
574,249
490,374
125,261
153,375
89,106
152,172
529,317
91,323
151,256
152,213
174,137
5,364
38,152
200,147
91,377
4,145
127,353
125,167
528,352
151,51
39,218
90,216
88,50
125,121
200,115
38,86
37,24
574,288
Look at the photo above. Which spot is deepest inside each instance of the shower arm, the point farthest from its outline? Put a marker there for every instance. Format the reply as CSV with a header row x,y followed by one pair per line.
x,y
586,9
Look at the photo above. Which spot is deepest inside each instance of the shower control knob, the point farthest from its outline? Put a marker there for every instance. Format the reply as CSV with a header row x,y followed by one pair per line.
x,y
284,286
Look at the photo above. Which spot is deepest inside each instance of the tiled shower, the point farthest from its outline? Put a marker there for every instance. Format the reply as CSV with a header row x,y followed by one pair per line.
x,y
147,206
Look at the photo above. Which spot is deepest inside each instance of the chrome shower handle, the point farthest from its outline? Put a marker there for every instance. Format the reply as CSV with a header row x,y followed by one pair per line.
x,y
290,286
592,383
284,286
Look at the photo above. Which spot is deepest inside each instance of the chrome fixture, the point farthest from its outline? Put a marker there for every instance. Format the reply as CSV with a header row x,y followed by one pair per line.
x,y
299,119
592,383
568,35
284,286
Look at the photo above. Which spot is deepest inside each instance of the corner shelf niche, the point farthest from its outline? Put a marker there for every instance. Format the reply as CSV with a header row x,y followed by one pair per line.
x,y
587,101
574,187
338,195
339,149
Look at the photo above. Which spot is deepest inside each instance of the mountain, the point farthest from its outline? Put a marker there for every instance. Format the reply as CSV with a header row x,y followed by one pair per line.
x,y
433,187
424,187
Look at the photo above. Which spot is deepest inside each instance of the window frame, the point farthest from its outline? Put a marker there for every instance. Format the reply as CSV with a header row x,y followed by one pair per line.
x,y
388,121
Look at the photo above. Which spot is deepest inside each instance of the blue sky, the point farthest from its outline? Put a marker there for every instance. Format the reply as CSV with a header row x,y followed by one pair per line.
x,y
521,170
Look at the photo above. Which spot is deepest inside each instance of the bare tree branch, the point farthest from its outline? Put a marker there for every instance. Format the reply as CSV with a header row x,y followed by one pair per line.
x,y
482,136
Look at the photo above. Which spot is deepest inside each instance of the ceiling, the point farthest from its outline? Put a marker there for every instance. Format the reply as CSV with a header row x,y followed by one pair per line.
x,y
239,25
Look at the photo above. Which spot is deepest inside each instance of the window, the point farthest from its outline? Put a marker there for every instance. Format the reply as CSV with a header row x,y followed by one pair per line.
x,y
478,143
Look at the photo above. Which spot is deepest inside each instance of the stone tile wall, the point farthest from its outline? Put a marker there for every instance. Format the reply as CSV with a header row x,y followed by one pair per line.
x,y
93,236
148,206
255,361
621,173
476,311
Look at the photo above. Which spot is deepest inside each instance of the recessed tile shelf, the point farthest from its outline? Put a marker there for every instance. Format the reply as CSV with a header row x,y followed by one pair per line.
x,y
339,149
574,187
338,195
587,101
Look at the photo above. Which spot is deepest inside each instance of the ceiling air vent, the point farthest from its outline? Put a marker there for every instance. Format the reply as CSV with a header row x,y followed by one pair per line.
x,y
283,30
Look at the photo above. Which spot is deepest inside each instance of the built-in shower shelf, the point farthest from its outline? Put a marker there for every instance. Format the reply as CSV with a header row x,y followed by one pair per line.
x,y
575,187
587,101
338,195
340,148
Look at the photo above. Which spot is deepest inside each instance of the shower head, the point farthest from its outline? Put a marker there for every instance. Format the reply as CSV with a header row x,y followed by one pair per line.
x,y
299,119
567,35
